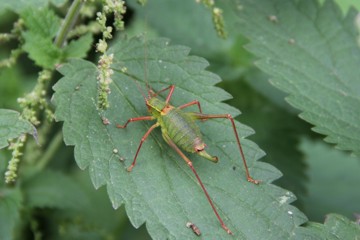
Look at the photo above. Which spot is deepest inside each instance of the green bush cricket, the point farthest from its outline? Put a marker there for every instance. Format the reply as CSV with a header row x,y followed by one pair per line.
x,y
180,131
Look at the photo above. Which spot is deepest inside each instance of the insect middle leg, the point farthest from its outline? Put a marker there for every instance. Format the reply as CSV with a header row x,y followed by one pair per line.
x,y
141,142
143,138
147,118
228,116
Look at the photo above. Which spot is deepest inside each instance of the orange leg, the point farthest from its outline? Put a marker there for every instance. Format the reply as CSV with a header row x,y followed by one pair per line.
x,y
143,138
189,163
135,120
171,87
228,116
141,142
190,104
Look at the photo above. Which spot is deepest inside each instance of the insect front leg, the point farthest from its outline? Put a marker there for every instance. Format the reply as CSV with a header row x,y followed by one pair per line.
x,y
189,163
228,116
146,118
171,87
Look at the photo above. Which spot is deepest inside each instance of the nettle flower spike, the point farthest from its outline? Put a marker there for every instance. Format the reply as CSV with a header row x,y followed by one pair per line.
x,y
16,147
104,80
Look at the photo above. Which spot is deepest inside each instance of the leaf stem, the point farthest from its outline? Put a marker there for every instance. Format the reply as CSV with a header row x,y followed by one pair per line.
x,y
68,23
50,151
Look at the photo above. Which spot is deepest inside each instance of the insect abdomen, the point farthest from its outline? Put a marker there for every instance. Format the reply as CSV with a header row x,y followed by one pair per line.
x,y
181,128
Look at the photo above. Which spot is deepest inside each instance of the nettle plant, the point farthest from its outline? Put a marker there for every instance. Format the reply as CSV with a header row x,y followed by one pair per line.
x,y
72,74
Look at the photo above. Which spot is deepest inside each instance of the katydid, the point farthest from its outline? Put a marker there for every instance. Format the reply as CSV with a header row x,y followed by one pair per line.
x,y
180,131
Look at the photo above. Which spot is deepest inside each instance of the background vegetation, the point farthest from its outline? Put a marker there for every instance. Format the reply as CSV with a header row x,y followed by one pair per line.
x,y
291,67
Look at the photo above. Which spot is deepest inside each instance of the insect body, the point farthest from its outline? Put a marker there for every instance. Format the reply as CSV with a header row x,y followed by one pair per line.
x,y
180,131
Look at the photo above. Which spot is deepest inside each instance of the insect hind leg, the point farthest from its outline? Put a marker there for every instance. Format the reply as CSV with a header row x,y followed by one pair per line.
x,y
200,116
189,163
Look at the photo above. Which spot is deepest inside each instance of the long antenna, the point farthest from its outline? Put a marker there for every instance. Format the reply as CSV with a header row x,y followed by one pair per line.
x,y
140,90
148,88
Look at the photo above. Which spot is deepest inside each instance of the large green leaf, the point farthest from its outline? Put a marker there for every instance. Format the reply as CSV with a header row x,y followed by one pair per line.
x,y
42,26
12,126
200,21
11,201
161,190
79,47
312,54
333,177
10,204
55,190
336,227
18,5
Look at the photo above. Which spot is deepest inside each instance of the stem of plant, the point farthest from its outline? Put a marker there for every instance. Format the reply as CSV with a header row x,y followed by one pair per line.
x,y
50,151
68,23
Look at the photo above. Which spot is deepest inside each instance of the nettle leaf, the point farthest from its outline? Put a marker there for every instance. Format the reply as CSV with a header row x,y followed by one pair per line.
x,y
43,22
55,190
330,190
336,227
19,5
42,26
161,190
10,205
41,50
79,47
312,54
12,126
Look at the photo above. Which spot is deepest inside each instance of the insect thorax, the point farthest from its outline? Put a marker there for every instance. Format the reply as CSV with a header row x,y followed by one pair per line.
x,y
155,105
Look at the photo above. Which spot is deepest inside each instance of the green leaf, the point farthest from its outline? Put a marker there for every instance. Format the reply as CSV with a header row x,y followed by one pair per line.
x,y
19,5
312,54
345,5
336,227
161,189
55,190
187,28
42,27
12,126
41,50
43,22
78,48
333,177
79,223
10,204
